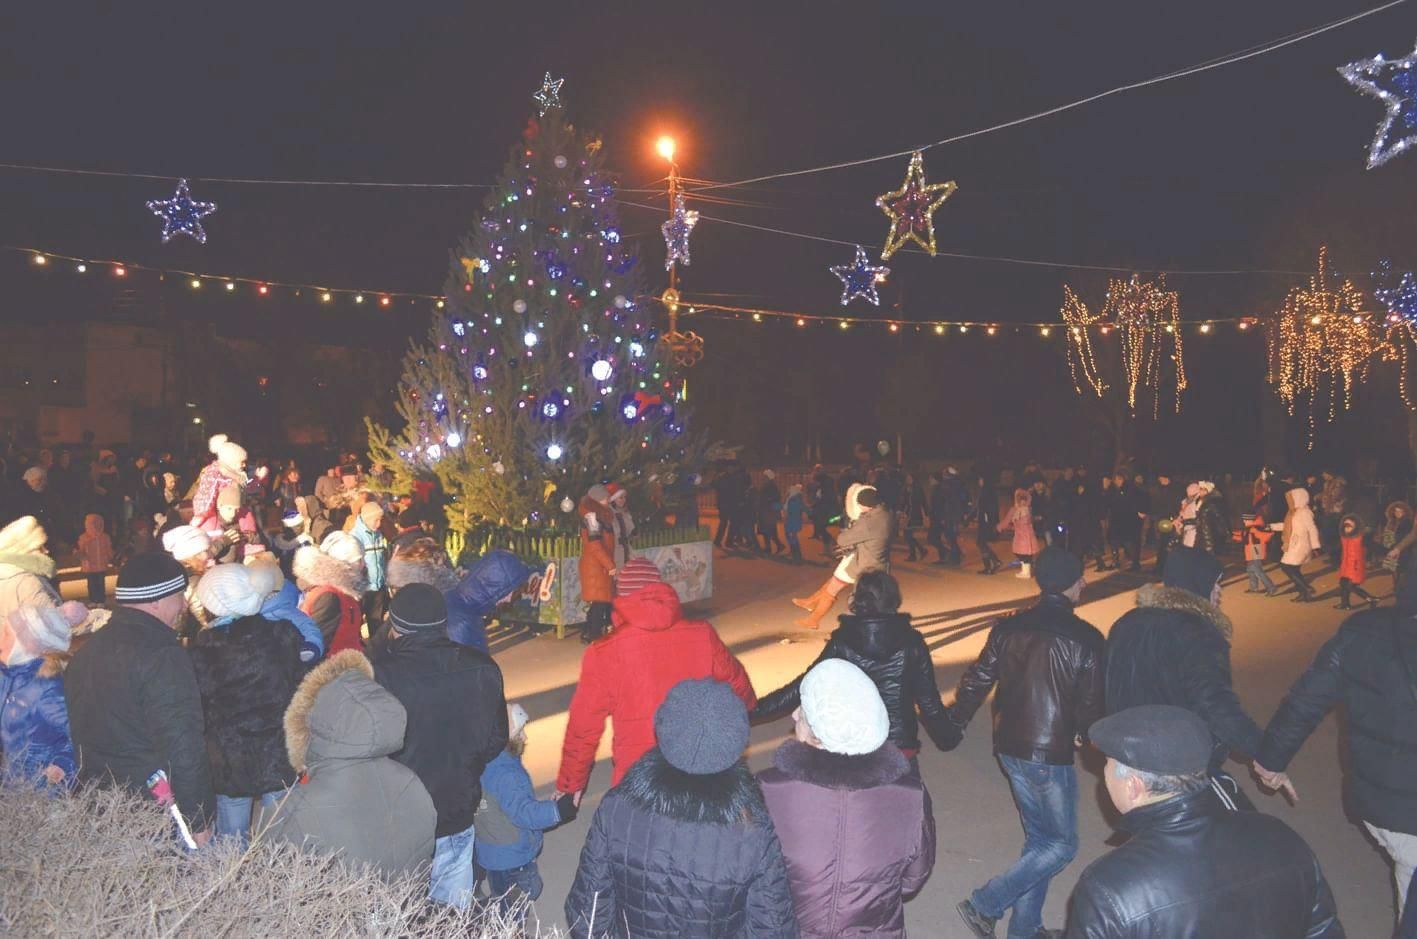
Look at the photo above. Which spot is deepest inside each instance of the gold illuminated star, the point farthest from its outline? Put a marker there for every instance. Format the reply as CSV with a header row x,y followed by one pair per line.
x,y
911,208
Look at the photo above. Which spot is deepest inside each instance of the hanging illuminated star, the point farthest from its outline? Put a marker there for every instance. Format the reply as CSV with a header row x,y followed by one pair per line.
x,y
550,94
911,208
181,215
677,231
1395,85
859,278
1400,300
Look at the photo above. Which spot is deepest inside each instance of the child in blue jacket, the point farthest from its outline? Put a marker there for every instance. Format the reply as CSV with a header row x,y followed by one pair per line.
x,y
510,821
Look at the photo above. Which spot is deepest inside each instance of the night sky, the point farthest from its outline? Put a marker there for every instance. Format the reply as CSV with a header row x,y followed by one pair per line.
x,y
1250,166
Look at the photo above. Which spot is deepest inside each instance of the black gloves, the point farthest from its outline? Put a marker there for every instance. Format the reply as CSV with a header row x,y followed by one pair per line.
x,y
566,808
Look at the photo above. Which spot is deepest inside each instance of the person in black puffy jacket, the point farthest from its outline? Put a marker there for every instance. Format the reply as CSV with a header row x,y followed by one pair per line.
x,y
683,847
1370,666
881,642
1193,866
1174,648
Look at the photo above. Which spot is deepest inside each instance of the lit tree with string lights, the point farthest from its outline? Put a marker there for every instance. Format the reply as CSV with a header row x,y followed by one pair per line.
x,y
543,372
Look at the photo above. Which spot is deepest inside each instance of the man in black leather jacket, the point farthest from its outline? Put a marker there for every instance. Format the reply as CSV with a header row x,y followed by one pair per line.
x,y
1047,663
881,642
1193,866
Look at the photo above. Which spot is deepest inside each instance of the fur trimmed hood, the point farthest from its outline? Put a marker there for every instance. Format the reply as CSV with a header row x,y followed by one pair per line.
x,y
1161,597
314,568
340,713
54,664
837,771
405,571
731,797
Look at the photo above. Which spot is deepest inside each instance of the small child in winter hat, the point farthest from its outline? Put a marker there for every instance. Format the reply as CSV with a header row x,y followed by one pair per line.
x,y
226,592
637,573
41,630
841,711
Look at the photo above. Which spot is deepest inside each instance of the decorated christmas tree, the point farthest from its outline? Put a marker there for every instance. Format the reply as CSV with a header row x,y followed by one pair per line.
x,y
543,372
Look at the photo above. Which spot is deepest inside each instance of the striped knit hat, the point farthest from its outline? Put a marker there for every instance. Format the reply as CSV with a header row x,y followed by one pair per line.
x,y
149,577
637,573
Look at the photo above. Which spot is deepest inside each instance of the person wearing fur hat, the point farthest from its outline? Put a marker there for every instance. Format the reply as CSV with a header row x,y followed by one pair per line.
x,y
856,824
510,821
1044,665
457,724
597,562
653,642
226,471
134,705
353,801
247,670
34,718
490,581
26,569
368,531
1174,648
878,639
864,545
331,589
1353,562
684,846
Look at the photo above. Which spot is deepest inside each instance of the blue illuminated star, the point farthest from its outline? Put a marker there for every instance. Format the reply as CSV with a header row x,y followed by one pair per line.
x,y
1400,300
181,215
676,233
550,94
859,278
1395,85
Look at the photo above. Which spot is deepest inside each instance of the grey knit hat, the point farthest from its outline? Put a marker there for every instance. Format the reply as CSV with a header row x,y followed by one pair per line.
x,y
702,727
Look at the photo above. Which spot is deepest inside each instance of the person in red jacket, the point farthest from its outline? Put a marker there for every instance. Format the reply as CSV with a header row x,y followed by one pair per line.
x,y
626,674
1353,563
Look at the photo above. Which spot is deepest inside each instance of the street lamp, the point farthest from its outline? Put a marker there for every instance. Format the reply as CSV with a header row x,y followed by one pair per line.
x,y
665,146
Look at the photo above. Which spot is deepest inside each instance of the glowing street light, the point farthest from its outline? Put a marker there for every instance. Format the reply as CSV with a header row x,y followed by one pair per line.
x,y
665,147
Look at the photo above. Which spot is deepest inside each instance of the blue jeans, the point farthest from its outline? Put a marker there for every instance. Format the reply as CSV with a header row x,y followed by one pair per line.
x,y
451,879
233,814
507,888
1047,800
1258,578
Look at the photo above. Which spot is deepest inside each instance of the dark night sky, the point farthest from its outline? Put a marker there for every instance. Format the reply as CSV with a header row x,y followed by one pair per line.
x,y
1248,166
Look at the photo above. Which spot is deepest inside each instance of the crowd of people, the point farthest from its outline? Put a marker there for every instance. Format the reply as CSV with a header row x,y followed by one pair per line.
x,y
311,667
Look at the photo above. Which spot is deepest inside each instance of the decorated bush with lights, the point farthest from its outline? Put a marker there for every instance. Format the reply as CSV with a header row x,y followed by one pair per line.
x,y
543,372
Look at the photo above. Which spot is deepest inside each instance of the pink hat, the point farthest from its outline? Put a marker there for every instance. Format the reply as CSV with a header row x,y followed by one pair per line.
x,y
637,574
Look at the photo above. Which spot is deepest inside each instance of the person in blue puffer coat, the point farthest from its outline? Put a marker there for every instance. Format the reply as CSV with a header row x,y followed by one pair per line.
x,y
510,821
489,582
34,718
281,601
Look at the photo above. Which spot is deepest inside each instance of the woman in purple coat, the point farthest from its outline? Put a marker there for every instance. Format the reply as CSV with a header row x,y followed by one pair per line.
x,y
854,819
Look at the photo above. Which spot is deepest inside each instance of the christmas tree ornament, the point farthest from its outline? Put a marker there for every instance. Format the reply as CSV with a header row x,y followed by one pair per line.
x,y
676,233
1394,83
911,208
182,215
498,468
1320,344
554,452
859,278
559,162
567,505
550,94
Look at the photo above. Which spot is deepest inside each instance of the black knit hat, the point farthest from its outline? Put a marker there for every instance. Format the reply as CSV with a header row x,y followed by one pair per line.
x,y
149,577
1056,570
417,607
1192,569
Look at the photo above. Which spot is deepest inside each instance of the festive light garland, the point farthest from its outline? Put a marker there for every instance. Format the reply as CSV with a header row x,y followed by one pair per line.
x,y
911,208
1394,83
1078,324
1320,343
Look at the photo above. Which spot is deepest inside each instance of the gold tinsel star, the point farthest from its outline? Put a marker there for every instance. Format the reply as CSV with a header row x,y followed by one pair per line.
x,y
911,208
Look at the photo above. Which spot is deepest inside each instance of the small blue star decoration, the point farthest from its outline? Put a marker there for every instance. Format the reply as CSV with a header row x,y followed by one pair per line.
x,y
676,233
1394,83
1401,299
181,215
859,278
550,94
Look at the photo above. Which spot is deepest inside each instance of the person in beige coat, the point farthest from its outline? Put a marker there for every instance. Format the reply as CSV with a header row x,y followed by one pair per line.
x,y
351,799
1301,540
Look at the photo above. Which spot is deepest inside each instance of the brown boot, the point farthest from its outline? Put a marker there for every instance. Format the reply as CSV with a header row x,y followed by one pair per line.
x,y
813,620
809,602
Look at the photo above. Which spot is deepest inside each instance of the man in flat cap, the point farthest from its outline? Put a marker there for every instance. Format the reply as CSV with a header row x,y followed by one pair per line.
x,y
1193,866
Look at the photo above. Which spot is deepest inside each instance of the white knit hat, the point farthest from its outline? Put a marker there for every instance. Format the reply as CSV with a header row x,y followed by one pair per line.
x,y
226,590
517,719
266,575
844,708
22,536
228,453
342,546
185,541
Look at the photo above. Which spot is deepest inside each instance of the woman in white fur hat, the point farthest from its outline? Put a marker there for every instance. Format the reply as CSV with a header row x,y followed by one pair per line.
x,y
25,567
